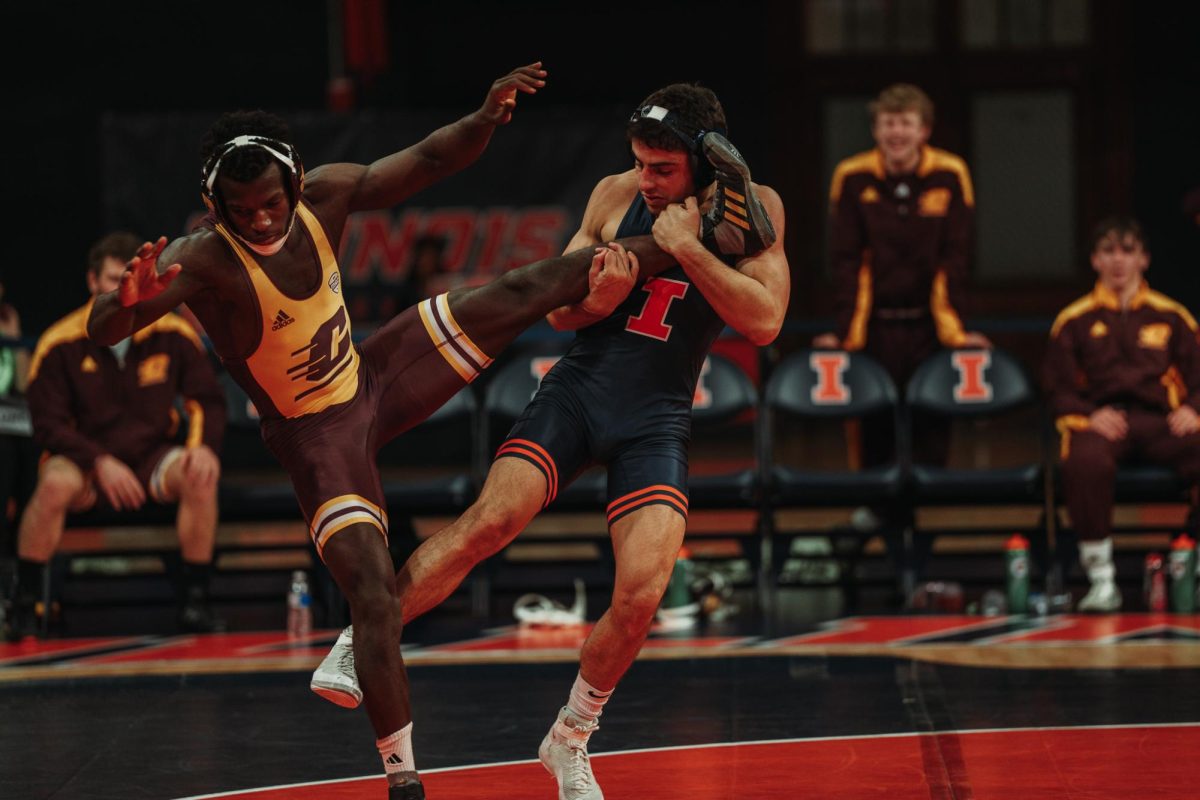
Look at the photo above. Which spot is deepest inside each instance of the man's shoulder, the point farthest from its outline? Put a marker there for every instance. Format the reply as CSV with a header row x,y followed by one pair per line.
x,y
331,183
616,190
1163,304
203,242
611,198
767,193
171,326
864,166
200,253
936,161
1074,310
866,161
69,330
66,329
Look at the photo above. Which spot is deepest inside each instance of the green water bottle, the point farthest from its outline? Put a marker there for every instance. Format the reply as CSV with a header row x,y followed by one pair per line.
x,y
1016,570
678,597
1183,574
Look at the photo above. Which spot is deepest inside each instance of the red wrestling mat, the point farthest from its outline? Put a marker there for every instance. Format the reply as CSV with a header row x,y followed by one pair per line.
x,y
1105,763
273,651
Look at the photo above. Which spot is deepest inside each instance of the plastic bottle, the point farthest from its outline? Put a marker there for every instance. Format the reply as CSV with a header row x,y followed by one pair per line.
x,y
678,601
1154,584
1183,574
993,604
299,607
1016,569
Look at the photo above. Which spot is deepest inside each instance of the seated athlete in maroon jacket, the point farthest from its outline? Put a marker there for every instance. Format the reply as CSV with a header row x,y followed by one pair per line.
x,y
106,419
1123,374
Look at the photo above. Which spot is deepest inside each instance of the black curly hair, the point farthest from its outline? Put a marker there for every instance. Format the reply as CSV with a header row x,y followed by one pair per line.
x,y
695,105
245,163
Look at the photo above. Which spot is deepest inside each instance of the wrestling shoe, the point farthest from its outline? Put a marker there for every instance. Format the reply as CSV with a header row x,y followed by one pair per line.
x,y
335,678
411,789
1102,597
23,619
564,755
196,616
1097,560
737,224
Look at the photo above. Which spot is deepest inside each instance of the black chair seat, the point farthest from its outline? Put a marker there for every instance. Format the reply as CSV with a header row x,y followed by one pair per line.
x,y
1147,483
436,495
149,514
1003,485
828,488
727,490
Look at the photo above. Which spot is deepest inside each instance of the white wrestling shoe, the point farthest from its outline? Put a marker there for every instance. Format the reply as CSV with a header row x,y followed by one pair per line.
x,y
1102,597
335,678
564,755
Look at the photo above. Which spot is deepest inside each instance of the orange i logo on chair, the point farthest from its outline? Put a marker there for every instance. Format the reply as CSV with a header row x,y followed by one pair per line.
x,y
830,388
972,387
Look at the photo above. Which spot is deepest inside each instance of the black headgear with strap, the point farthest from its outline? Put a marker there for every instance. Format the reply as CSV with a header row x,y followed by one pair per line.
x,y
691,136
281,151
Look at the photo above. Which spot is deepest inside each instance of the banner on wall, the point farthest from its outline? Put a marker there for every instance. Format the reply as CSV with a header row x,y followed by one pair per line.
x,y
520,202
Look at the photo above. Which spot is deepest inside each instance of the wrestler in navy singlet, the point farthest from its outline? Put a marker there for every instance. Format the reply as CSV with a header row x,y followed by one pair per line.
x,y
622,394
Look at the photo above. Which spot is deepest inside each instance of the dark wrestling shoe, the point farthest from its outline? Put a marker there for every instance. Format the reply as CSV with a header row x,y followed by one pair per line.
x,y
737,224
196,616
22,619
411,789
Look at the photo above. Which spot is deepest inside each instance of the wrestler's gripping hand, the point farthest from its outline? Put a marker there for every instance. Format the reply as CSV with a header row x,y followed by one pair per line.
x,y
141,280
613,274
502,99
677,226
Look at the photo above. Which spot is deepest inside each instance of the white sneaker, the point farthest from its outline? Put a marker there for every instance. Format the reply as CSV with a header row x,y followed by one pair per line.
x,y
1104,596
336,679
564,755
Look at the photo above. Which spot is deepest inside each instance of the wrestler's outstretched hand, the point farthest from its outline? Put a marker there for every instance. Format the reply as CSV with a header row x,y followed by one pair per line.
x,y
141,280
613,274
502,99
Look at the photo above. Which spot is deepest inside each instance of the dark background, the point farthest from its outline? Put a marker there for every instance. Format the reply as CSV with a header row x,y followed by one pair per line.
x,y
1134,85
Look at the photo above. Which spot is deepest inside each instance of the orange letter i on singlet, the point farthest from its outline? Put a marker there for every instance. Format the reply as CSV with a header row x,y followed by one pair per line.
x,y
652,319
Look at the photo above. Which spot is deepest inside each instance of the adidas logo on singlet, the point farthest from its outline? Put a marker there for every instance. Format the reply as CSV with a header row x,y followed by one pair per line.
x,y
282,320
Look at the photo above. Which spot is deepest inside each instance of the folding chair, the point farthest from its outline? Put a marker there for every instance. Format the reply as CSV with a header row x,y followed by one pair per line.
x,y
823,386
985,389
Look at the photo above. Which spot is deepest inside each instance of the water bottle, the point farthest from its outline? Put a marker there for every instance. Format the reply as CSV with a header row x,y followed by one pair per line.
x,y
678,602
993,603
1183,574
1154,584
1016,557
299,604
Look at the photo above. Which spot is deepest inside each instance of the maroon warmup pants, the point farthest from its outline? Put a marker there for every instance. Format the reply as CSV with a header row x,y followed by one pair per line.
x,y
1089,466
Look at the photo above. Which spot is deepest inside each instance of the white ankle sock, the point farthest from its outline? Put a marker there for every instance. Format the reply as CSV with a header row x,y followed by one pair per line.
x,y
396,751
1097,559
586,701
